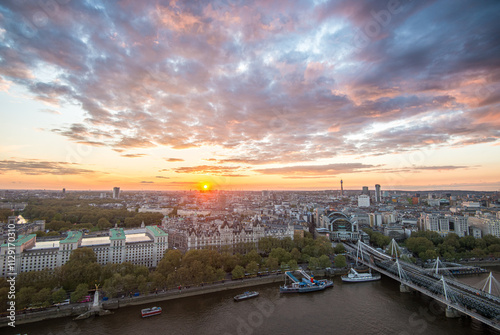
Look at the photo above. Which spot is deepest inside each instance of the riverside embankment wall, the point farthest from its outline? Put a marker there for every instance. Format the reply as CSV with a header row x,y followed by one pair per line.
x,y
72,310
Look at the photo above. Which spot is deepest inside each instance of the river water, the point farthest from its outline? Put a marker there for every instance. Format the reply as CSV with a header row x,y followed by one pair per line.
x,y
361,308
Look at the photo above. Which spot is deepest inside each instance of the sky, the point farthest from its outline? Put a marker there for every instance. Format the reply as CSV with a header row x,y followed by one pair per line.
x,y
250,95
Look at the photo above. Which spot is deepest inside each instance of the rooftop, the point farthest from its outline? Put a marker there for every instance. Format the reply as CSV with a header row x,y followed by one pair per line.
x,y
46,245
157,232
21,239
116,234
137,238
73,237
89,241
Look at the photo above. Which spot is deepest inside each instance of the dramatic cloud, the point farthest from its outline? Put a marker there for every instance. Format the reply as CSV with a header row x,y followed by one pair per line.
x,y
266,82
440,168
212,170
38,167
317,170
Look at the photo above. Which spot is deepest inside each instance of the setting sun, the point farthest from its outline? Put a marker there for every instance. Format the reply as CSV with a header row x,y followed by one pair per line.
x,y
205,187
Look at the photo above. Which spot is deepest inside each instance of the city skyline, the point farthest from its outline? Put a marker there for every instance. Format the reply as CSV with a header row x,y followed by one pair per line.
x,y
250,96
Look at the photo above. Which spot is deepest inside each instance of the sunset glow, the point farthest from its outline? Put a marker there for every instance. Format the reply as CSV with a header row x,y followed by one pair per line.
x,y
251,96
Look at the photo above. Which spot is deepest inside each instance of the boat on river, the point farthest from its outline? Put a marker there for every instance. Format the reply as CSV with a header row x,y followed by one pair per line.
x,y
355,277
146,312
246,295
306,284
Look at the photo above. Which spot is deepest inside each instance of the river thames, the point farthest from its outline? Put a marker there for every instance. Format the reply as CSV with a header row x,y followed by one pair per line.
x,y
361,308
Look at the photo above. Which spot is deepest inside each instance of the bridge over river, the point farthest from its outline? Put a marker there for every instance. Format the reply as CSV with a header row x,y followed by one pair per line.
x,y
458,297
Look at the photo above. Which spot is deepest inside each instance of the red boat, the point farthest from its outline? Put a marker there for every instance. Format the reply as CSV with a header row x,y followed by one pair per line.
x,y
150,311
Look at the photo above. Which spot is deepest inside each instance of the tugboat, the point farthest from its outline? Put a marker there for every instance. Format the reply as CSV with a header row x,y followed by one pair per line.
x,y
307,284
151,311
354,277
246,295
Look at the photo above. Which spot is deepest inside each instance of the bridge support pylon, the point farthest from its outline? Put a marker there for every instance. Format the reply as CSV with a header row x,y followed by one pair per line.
x,y
451,312
404,289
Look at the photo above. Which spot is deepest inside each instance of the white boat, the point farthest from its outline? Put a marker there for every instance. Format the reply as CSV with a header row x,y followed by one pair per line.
x,y
246,295
150,311
355,277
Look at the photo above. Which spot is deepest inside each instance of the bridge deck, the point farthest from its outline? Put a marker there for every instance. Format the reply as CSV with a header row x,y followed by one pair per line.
x,y
468,300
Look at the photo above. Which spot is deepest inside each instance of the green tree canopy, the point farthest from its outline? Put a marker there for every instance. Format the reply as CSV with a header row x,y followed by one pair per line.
x,y
81,291
82,267
59,296
238,272
340,261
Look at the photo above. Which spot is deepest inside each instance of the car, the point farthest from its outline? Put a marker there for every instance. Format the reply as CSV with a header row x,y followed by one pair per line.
x,y
87,298
65,302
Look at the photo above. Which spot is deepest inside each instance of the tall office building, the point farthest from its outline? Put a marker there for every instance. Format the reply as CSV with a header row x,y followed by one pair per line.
x,y
377,193
116,192
365,190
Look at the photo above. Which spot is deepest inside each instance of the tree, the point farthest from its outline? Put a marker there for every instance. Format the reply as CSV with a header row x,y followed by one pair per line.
x,y
280,254
129,283
468,242
428,254
313,263
381,240
4,215
491,240
419,245
253,256
295,254
81,291
220,274
46,278
142,284
158,280
324,261
238,272
4,293
252,267
113,286
324,246
25,297
478,252
287,244
103,224
339,248
82,267
292,264
228,261
452,240
42,297
59,296
272,263
340,261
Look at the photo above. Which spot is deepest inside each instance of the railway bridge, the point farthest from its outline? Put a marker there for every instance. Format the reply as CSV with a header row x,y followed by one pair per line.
x,y
458,297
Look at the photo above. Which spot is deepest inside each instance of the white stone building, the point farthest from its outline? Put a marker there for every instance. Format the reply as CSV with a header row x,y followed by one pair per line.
x,y
445,224
364,200
141,247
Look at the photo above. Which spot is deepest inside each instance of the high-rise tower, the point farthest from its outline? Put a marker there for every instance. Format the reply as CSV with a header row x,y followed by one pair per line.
x,y
365,190
116,192
377,193
341,188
